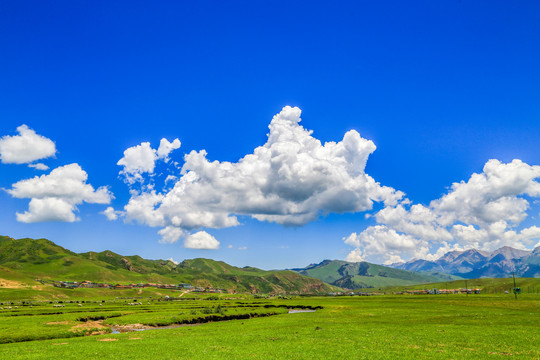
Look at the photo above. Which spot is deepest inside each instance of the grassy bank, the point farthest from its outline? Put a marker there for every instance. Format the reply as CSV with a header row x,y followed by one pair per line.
x,y
487,285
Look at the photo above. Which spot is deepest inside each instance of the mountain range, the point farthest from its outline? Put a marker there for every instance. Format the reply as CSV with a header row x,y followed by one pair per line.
x,y
356,275
24,260
474,263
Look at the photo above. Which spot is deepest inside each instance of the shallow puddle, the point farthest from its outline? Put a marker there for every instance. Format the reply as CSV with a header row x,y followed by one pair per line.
x,y
295,311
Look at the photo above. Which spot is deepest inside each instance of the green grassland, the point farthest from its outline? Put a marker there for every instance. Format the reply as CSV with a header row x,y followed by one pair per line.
x,y
368,327
64,319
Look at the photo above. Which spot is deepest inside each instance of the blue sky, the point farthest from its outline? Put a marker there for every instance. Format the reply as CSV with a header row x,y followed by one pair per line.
x,y
440,88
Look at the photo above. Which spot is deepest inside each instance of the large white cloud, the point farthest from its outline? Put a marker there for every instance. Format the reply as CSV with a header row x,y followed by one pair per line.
x,y
26,148
481,213
491,196
54,197
292,179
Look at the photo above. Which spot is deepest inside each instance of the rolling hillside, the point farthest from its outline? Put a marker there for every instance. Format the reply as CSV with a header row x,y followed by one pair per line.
x,y
366,275
24,260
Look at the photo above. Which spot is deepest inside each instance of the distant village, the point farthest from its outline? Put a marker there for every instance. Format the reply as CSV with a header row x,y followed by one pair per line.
x,y
412,292
438,291
93,285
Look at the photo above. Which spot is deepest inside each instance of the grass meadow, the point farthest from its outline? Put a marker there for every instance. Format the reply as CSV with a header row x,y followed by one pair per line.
x,y
358,327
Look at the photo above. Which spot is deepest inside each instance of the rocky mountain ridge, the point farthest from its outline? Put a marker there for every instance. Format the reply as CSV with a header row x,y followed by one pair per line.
x,y
473,263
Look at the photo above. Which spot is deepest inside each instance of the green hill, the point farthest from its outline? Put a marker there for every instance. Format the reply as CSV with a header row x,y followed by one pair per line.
x,y
357,275
24,260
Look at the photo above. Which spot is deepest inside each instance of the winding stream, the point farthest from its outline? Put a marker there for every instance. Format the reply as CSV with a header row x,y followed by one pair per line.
x,y
117,329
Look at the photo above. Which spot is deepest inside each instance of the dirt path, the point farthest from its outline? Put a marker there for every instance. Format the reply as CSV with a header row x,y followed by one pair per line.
x,y
184,292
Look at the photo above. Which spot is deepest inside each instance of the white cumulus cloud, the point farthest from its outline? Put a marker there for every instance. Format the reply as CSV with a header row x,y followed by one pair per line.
x,y
171,234
26,147
141,159
482,212
48,209
378,240
493,195
355,255
138,160
166,147
292,179
201,240
54,197
142,208
112,214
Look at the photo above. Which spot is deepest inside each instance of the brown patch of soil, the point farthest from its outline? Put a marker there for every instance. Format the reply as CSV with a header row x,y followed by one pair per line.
x,y
59,343
107,339
39,287
97,327
134,339
10,284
